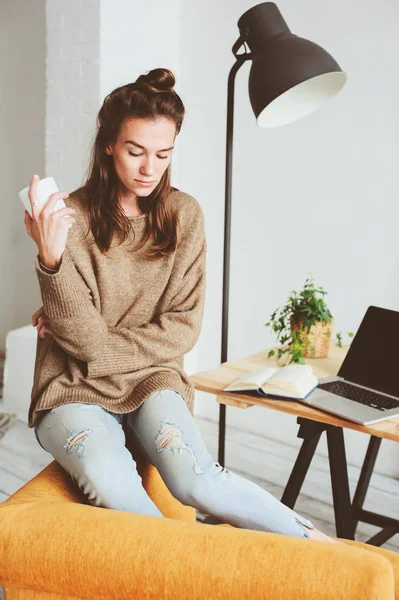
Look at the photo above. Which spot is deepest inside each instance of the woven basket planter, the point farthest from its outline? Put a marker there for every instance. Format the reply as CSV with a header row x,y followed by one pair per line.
x,y
319,337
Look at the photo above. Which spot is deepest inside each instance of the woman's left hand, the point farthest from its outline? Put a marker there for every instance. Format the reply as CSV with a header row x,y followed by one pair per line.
x,y
41,321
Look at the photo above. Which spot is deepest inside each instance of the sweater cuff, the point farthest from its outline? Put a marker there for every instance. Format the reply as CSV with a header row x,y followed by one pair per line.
x,y
61,291
110,360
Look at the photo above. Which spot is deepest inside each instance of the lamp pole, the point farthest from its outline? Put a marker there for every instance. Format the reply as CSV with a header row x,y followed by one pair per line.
x,y
290,77
241,58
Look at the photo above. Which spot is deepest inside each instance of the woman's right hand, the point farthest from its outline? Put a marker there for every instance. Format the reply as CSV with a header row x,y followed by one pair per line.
x,y
42,323
48,228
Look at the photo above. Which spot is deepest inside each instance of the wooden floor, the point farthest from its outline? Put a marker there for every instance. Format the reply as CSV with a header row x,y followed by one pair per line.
x,y
266,462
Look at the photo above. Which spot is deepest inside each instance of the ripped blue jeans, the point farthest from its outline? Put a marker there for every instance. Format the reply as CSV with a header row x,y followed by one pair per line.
x,y
89,443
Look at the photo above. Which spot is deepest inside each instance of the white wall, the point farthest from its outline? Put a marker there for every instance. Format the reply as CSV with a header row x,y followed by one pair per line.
x,y
49,97
22,91
322,193
73,89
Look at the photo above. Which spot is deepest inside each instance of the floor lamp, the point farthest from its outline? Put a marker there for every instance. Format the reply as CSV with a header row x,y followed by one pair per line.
x,y
290,77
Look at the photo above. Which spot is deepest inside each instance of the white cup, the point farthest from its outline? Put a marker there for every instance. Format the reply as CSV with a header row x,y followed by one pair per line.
x,y
45,188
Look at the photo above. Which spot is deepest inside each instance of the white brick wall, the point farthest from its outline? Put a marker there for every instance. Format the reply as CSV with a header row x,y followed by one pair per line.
x,y
72,92
22,118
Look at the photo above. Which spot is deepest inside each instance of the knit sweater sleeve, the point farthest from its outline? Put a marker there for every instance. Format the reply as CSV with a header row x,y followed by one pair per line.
x,y
175,331
76,324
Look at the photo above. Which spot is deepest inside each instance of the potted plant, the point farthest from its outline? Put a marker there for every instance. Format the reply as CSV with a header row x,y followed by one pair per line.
x,y
303,325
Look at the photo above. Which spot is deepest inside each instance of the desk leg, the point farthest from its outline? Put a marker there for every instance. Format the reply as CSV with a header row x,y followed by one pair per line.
x,y
389,526
344,523
365,476
222,431
310,432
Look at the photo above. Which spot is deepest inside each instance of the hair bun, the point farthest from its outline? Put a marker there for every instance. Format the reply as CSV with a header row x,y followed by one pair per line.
x,y
158,80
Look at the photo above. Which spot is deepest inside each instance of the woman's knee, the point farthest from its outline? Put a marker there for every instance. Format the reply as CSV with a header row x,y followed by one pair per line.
x,y
90,445
92,456
70,428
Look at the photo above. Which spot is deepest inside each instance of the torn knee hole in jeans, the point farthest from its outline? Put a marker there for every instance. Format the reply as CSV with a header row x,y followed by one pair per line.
x,y
170,438
75,441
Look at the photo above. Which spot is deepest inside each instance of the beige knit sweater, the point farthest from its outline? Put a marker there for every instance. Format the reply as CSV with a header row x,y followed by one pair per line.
x,y
122,325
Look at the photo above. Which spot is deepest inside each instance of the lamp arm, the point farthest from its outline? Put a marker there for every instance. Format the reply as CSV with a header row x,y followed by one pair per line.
x,y
241,40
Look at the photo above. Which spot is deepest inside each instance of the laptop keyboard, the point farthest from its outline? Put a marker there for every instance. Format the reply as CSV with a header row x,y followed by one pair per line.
x,y
357,394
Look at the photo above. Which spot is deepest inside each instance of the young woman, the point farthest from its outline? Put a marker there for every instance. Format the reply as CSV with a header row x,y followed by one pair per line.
x,y
122,276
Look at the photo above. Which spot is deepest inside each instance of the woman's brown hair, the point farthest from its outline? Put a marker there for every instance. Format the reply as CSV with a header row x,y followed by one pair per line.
x,y
150,96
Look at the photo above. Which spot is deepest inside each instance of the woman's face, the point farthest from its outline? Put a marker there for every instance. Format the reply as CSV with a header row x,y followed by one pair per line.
x,y
142,152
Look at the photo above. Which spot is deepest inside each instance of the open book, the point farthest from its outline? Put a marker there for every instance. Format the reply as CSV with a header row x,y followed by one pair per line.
x,y
292,381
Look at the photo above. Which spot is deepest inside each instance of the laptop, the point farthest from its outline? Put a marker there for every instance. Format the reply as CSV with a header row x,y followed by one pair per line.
x,y
366,388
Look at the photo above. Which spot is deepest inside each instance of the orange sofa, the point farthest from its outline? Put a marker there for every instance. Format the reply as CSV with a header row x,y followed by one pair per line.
x,y
56,546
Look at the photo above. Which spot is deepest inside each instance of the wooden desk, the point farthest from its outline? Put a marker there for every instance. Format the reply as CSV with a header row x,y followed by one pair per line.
x,y
312,423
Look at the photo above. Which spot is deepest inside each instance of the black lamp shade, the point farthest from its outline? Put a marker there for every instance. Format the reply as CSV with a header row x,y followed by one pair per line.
x,y
290,76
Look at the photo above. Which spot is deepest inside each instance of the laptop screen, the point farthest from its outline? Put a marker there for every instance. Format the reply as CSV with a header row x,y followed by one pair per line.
x,y
373,356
